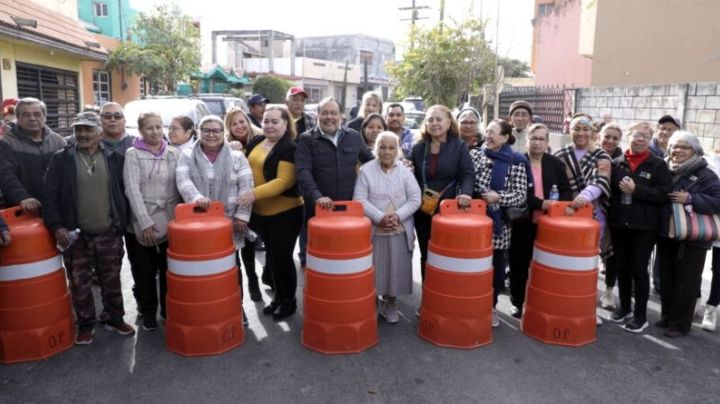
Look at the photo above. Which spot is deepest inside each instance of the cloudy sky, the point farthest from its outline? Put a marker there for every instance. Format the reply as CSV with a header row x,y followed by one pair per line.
x,y
380,18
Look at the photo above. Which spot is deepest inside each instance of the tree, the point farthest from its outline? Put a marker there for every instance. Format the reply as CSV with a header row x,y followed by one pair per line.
x,y
273,88
445,63
514,67
166,48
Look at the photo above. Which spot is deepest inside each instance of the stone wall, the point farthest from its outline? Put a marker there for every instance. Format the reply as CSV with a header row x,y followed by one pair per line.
x,y
696,105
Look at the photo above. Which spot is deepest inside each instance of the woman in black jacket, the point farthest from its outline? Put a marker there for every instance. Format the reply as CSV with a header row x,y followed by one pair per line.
x,y
442,165
696,187
548,174
639,186
277,207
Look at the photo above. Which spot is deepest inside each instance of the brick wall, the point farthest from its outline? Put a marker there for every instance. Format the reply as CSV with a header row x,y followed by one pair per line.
x,y
697,105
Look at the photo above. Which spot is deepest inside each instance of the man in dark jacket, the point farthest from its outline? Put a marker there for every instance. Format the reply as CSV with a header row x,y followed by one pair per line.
x,y
25,152
295,101
326,161
85,201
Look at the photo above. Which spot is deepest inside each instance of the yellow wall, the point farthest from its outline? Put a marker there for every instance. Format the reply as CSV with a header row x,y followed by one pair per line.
x,y
16,51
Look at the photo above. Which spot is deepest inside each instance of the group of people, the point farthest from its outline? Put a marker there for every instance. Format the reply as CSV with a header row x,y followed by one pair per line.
x,y
103,192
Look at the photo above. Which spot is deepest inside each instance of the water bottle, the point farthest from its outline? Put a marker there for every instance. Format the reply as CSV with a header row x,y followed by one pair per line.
x,y
72,238
554,193
250,236
626,198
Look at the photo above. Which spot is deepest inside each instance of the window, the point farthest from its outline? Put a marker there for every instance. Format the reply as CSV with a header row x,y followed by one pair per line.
x,y
316,93
101,87
100,9
143,86
545,9
57,88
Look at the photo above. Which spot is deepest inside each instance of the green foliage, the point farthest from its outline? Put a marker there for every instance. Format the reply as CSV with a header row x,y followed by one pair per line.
x,y
273,88
166,48
237,92
514,67
443,64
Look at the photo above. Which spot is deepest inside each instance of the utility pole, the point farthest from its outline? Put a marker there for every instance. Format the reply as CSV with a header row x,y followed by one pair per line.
x,y
414,16
442,13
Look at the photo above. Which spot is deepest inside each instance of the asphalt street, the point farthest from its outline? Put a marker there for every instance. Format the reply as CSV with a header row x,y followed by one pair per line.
x,y
272,366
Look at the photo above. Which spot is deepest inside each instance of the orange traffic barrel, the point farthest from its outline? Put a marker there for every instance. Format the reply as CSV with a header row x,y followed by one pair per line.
x,y
204,303
340,314
36,319
562,284
456,309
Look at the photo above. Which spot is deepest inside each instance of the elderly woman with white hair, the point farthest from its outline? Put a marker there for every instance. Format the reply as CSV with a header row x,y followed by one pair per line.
x,y
696,189
212,171
469,121
371,103
588,168
390,196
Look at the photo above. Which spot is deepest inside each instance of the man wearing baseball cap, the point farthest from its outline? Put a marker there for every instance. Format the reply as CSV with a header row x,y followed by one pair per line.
x,y
520,114
24,154
85,191
295,101
257,104
666,126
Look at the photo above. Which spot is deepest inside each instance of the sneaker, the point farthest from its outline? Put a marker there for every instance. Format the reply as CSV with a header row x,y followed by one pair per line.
x,y
85,336
149,323
621,316
674,333
121,328
709,322
598,320
636,325
495,319
607,300
516,312
390,312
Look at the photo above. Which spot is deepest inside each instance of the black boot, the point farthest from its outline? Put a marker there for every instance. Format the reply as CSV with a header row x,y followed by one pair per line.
x,y
254,288
267,277
270,308
286,309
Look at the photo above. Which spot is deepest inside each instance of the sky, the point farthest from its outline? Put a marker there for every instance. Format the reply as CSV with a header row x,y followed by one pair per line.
x,y
379,18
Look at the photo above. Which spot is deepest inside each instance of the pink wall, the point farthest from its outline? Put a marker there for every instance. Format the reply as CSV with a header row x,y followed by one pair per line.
x,y
557,61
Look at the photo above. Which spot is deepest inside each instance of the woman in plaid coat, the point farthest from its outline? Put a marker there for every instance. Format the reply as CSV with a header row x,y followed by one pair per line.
x,y
501,180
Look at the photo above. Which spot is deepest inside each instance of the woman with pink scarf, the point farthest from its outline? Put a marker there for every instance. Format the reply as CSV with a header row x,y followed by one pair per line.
x,y
149,175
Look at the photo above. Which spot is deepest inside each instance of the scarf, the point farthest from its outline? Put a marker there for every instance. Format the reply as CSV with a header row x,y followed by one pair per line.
x,y
502,160
221,168
139,144
635,159
686,168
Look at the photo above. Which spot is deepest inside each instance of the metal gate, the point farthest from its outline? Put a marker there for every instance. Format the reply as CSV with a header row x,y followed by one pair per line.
x,y
550,105
57,88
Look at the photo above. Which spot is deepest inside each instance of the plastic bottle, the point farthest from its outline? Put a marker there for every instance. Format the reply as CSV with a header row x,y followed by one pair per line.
x,y
554,193
250,236
72,238
626,198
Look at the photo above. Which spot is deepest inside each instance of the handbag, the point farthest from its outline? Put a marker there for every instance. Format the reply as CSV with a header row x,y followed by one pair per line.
x,y
430,197
688,225
516,214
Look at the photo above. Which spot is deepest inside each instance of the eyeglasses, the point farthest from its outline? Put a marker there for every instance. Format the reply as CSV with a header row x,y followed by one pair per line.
x,y
641,135
680,147
469,123
174,128
108,116
208,131
537,139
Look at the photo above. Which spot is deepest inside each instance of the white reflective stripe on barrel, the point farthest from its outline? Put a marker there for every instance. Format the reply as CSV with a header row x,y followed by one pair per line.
x,y
201,268
564,262
339,267
464,265
30,270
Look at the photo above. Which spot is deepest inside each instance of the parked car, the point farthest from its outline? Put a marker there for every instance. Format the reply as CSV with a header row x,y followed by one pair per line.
x,y
417,102
219,104
413,120
167,107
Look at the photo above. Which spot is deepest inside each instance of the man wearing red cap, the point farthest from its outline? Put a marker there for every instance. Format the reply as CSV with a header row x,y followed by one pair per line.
x,y
295,101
